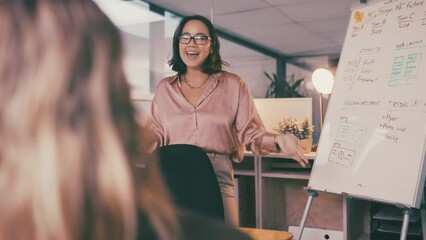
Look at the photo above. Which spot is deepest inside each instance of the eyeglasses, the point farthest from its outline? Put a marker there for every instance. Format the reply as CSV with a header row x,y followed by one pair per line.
x,y
199,39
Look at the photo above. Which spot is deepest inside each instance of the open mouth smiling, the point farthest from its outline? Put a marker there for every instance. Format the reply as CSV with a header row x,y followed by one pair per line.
x,y
192,55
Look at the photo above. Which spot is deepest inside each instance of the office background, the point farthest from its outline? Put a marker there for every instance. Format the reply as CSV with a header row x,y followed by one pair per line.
x,y
287,37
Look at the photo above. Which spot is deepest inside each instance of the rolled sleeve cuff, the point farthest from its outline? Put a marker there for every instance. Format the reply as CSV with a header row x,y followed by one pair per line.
x,y
268,142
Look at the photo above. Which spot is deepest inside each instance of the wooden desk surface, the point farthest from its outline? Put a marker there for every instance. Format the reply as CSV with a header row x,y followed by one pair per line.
x,y
265,234
310,155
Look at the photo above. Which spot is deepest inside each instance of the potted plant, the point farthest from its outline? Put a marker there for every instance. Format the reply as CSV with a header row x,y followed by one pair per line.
x,y
302,129
280,87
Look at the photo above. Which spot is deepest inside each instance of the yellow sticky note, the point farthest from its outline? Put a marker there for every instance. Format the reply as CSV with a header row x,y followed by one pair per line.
x,y
358,16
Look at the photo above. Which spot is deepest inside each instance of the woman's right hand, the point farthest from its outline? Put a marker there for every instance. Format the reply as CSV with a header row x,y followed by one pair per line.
x,y
290,146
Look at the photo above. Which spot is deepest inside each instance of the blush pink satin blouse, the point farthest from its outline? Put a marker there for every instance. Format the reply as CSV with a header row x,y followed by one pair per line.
x,y
223,121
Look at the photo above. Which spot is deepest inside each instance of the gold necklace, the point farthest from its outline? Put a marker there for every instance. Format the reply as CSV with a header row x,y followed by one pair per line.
x,y
198,86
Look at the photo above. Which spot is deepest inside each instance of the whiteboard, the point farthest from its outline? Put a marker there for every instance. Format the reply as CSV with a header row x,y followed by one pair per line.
x,y
372,145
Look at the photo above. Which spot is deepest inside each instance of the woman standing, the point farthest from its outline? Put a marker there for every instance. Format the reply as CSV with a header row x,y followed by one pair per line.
x,y
205,106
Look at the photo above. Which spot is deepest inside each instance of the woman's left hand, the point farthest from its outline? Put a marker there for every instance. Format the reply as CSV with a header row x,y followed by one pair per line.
x,y
290,146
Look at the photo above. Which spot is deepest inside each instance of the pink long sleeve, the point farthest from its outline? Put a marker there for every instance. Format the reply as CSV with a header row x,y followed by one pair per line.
x,y
224,120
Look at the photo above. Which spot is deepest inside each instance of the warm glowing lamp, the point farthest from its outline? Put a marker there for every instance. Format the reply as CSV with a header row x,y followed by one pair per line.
x,y
323,80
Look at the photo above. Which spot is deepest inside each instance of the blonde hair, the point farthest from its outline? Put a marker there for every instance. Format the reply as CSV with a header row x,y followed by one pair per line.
x,y
67,129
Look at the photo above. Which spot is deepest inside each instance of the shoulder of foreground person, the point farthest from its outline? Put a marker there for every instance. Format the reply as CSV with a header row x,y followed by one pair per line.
x,y
195,227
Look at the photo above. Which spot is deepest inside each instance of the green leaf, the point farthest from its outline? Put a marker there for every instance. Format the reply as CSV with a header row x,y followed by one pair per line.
x,y
281,87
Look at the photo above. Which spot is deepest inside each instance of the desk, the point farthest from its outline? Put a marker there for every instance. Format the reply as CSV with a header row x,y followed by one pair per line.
x,y
271,196
265,234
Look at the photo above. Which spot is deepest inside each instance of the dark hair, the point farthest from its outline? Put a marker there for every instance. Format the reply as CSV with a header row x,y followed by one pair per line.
x,y
212,64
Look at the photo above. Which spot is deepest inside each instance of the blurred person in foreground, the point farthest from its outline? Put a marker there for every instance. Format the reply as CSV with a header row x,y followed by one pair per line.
x,y
67,134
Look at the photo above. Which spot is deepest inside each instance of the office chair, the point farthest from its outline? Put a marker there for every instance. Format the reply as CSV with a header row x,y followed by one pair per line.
x,y
190,177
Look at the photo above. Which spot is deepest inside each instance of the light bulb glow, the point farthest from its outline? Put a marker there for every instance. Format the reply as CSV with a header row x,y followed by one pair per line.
x,y
323,80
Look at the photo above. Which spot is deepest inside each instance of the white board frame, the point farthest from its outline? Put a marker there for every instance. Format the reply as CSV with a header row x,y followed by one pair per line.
x,y
399,170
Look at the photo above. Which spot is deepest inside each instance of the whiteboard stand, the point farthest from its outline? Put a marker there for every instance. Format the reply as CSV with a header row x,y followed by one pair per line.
x,y
423,216
321,111
407,213
312,194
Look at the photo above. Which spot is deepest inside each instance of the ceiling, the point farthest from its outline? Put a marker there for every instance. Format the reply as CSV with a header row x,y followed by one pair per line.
x,y
293,28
